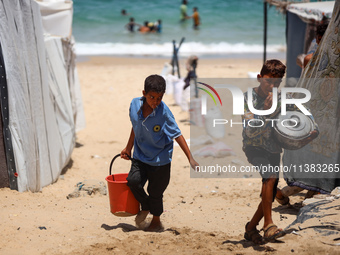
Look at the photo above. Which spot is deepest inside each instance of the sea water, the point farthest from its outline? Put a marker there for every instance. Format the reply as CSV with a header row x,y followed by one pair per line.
x,y
227,27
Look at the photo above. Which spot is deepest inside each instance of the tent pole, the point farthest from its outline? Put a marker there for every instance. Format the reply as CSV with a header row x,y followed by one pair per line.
x,y
9,152
173,57
265,32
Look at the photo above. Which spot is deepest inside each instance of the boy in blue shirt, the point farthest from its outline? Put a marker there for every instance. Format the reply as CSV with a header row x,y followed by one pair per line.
x,y
153,130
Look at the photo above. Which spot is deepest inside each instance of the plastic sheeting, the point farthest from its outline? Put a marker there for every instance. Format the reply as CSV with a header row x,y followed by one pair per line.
x,y
320,221
314,10
60,125
57,12
322,78
61,12
74,85
40,103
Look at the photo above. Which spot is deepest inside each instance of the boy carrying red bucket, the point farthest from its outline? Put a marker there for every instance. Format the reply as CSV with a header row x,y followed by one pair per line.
x,y
153,130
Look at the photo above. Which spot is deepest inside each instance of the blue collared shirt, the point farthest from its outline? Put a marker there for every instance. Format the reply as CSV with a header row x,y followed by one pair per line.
x,y
154,134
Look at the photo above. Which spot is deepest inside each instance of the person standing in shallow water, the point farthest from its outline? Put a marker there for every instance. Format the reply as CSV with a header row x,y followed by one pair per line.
x,y
196,18
183,11
131,25
124,13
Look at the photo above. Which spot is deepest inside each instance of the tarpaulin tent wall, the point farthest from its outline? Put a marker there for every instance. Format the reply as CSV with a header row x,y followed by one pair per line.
x,y
61,12
39,128
321,77
298,16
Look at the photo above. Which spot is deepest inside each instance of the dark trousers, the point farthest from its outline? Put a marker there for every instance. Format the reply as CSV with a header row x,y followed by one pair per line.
x,y
261,158
158,178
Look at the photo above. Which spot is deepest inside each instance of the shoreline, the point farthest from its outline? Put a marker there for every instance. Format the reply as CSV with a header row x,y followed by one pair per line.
x,y
239,56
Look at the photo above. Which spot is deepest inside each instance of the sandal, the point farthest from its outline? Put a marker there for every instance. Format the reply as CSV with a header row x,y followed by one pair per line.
x,y
272,232
253,235
282,201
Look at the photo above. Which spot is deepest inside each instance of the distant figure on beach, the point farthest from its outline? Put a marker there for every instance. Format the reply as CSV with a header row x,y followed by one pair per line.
x,y
321,27
183,11
158,26
196,18
153,130
152,27
145,28
131,25
320,30
124,13
155,27
262,149
191,66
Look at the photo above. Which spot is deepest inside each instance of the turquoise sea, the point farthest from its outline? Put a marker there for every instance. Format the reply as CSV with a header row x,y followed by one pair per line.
x,y
228,27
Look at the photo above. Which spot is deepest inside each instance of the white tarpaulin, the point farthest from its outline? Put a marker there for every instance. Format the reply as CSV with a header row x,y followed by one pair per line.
x,y
57,12
41,108
314,10
61,12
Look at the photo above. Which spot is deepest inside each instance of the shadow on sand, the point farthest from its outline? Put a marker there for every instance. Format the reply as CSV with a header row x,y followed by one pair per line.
x,y
288,209
125,227
247,244
128,228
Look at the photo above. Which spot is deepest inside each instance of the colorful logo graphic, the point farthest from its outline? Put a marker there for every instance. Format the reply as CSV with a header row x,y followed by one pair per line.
x,y
209,93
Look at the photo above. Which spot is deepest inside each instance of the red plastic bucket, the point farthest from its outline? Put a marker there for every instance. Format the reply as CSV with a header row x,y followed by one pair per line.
x,y
122,201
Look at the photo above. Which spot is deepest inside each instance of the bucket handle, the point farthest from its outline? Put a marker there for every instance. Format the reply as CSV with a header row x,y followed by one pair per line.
x,y
114,158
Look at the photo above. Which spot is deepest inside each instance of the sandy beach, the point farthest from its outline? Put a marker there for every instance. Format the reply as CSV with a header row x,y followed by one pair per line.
x,y
202,216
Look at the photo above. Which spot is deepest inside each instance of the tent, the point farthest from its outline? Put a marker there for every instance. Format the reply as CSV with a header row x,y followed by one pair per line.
x,y
300,30
317,165
41,107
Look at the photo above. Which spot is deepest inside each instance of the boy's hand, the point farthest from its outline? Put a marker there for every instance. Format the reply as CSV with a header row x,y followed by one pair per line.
x,y
124,154
268,101
193,163
312,135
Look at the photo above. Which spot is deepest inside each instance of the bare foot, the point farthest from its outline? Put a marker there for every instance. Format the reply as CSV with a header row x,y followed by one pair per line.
x,y
155,225
140,218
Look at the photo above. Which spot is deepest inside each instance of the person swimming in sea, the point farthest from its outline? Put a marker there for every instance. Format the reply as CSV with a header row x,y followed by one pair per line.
x,y
131,25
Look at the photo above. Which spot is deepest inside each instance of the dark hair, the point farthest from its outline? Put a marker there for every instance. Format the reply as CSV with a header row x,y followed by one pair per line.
x,y
155,83
274,67
321,29
132,19
324,20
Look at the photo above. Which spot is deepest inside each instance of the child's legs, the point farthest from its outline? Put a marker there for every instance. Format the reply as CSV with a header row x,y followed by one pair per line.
x,y
136,181
264,209
268,186
159,178
259,157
